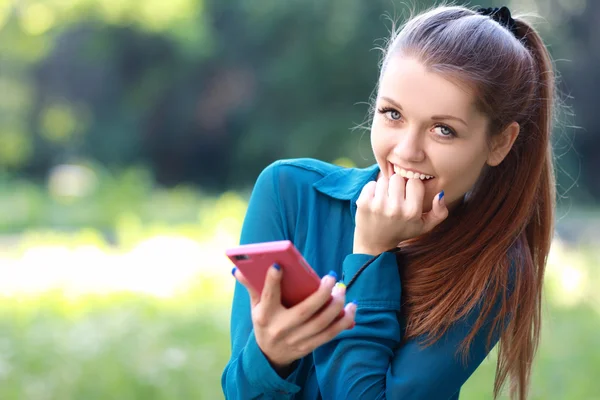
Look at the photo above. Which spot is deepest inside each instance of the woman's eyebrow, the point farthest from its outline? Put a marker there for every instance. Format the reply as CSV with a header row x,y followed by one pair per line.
x,y
440,117
435,117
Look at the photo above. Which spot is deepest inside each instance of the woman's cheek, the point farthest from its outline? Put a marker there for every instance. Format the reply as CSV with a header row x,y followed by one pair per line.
x,y
381,149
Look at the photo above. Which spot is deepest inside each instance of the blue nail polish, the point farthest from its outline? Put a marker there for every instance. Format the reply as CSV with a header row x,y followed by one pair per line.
x,y
332,273
233,271
277,267
355,302
441,194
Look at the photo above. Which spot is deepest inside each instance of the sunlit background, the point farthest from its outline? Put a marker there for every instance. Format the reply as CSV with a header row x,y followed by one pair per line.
x,y
131,133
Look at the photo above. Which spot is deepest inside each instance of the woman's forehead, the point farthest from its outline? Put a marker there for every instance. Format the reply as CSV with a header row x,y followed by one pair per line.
x,y
409,83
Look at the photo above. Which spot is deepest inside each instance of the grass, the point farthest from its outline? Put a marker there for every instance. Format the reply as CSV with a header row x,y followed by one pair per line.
x,y
131,346
117,346
564,367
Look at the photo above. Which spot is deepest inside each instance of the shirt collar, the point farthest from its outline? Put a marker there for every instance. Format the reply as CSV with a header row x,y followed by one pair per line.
x,y
346,183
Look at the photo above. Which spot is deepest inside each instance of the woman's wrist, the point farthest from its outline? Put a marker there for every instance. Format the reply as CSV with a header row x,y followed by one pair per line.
x,y
284,370
359,248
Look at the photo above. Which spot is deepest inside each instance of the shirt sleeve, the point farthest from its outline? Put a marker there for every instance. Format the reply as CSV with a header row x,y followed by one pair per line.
x,y
369,361
248,374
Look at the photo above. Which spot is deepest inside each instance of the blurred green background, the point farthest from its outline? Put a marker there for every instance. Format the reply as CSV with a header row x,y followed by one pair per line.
x,y
131,133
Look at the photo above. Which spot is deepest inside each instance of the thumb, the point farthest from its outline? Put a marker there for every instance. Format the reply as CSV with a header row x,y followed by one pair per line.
x,y
438,213
254,295
271,293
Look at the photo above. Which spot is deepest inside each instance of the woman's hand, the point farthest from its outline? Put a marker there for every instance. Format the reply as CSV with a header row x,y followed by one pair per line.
x,y
388,212
288,334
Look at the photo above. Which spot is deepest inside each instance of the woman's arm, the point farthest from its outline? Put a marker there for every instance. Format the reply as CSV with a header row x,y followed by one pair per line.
x,y
248,374
365,362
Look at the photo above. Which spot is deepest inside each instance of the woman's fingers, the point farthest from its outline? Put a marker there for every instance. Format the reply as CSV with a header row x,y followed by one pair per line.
x,y
413,204
254,295
270,298
322,319
347,322
438,213
313,303
396,191
381,193
367,193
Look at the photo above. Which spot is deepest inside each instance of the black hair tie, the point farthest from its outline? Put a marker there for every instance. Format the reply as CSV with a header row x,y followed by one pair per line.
x,y
502,16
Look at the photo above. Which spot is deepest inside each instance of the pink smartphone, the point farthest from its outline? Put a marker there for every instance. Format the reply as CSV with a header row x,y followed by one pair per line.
x,y
299,280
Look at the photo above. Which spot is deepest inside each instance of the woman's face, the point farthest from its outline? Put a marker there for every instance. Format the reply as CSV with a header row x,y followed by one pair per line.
x,y
427,124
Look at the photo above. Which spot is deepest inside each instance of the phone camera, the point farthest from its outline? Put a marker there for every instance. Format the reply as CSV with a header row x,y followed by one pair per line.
x,y
242,257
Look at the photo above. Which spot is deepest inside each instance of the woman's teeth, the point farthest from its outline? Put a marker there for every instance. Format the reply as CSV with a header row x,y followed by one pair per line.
x,y
411,175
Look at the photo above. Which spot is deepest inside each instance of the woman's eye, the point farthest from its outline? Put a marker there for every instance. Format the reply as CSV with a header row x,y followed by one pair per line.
x,y
445,131
394,115
390,114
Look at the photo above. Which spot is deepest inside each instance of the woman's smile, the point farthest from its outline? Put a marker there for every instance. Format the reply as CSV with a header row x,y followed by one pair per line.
x,y
409,174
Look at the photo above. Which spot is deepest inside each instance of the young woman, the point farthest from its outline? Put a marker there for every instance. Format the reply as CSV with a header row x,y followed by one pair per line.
x,y
441,244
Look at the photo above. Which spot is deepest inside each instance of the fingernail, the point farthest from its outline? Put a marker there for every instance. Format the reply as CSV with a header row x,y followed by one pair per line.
x,y
355,303
441,195
233,271
338,288
332,273
277,267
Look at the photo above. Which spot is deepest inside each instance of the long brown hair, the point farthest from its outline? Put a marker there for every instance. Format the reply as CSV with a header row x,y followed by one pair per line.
x,y
495,244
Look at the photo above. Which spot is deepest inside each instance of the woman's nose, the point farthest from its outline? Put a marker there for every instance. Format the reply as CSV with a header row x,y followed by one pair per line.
x,y
410,147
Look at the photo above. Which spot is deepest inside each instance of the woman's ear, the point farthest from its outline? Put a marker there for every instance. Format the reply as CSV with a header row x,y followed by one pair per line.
x,y
502,143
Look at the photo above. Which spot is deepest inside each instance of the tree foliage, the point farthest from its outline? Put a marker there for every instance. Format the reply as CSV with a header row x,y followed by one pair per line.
x,y
210,91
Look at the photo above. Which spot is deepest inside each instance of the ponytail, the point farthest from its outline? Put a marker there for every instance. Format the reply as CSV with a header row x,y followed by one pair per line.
x,y
519,342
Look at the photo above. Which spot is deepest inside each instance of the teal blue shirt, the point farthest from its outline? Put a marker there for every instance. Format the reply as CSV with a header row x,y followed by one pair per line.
x,y
313,204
